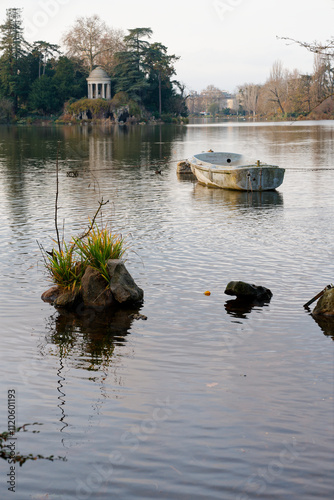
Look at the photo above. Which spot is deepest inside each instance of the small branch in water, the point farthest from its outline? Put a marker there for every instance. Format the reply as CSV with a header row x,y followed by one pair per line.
x,y
56,202
101,204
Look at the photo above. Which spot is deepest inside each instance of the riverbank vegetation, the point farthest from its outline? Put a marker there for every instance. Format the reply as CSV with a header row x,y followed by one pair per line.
x,y
39,80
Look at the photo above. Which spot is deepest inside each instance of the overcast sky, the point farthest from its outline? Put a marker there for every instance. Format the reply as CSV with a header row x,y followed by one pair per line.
x,y
225,43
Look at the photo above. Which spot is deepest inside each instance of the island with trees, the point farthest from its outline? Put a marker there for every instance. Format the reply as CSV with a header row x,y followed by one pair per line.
x,y
39,80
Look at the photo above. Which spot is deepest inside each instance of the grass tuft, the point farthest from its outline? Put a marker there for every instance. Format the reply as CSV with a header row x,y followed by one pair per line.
x,y
67,266
98,247
64,268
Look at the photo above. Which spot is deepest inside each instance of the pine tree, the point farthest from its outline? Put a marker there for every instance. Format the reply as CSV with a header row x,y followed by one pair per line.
x,y
12,45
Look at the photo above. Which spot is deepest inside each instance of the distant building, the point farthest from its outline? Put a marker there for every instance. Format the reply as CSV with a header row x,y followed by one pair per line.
x,y
99,84
200,103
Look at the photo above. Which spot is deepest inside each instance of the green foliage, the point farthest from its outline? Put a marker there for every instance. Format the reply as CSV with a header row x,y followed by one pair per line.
x,y
67,266
120,99
6,110
97,107
38,79
99,247
12,45
64,268
70,81
44,95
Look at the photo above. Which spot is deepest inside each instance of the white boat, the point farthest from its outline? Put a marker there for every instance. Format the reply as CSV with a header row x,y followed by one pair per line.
x,y
235,171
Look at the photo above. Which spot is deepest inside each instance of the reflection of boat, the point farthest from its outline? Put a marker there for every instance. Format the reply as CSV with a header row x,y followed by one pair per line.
x,y
235,171
235,200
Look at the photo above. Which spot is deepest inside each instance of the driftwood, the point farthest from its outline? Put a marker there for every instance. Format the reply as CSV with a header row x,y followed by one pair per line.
x,y
328,287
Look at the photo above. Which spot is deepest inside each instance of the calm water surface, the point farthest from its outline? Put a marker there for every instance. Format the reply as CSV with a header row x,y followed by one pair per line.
x,y
201,401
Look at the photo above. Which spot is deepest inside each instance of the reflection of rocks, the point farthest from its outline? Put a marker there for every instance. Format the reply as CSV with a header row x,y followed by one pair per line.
x,y
89,337
238,308
326,324
323,313
249,293
96,293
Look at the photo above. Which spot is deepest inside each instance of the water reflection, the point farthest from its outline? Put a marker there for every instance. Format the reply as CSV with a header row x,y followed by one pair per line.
x,y
240,308
326,324
238,199
90,339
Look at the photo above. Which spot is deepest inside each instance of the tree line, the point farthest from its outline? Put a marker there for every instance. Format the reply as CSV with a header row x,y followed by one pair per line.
x,y
292,94
39,78
285,94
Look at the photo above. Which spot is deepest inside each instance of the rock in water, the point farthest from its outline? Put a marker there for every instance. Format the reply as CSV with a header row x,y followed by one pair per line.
x,y
95,291
325,305
122,285
245,291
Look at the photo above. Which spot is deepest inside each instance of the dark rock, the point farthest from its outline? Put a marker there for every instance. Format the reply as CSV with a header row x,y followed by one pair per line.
x,y
68,299
325,305
95,290
122,285
61,297
51,294
138,316
248,292
96,293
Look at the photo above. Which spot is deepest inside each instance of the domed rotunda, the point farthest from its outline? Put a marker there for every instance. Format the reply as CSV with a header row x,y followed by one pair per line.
x,y
99,84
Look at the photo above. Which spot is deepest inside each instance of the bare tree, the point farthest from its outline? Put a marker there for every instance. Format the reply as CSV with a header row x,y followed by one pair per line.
x,y
248,95
276,86
91,40
325,49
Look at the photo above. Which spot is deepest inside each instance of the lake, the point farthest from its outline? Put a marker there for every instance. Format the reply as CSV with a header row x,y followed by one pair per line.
x,y
202,400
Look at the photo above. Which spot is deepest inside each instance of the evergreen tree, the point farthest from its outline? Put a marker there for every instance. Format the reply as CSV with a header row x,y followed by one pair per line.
x,y
13,47
44,96
159,66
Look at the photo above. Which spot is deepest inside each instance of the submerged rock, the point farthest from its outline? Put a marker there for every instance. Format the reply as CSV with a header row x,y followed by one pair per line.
x,y
248,292
325,305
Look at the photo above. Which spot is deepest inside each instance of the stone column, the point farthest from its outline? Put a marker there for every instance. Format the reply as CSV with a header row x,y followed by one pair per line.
x,y
108,91
103,91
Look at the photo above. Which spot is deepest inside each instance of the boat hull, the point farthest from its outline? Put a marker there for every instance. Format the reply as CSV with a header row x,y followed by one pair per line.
x,y
251,177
